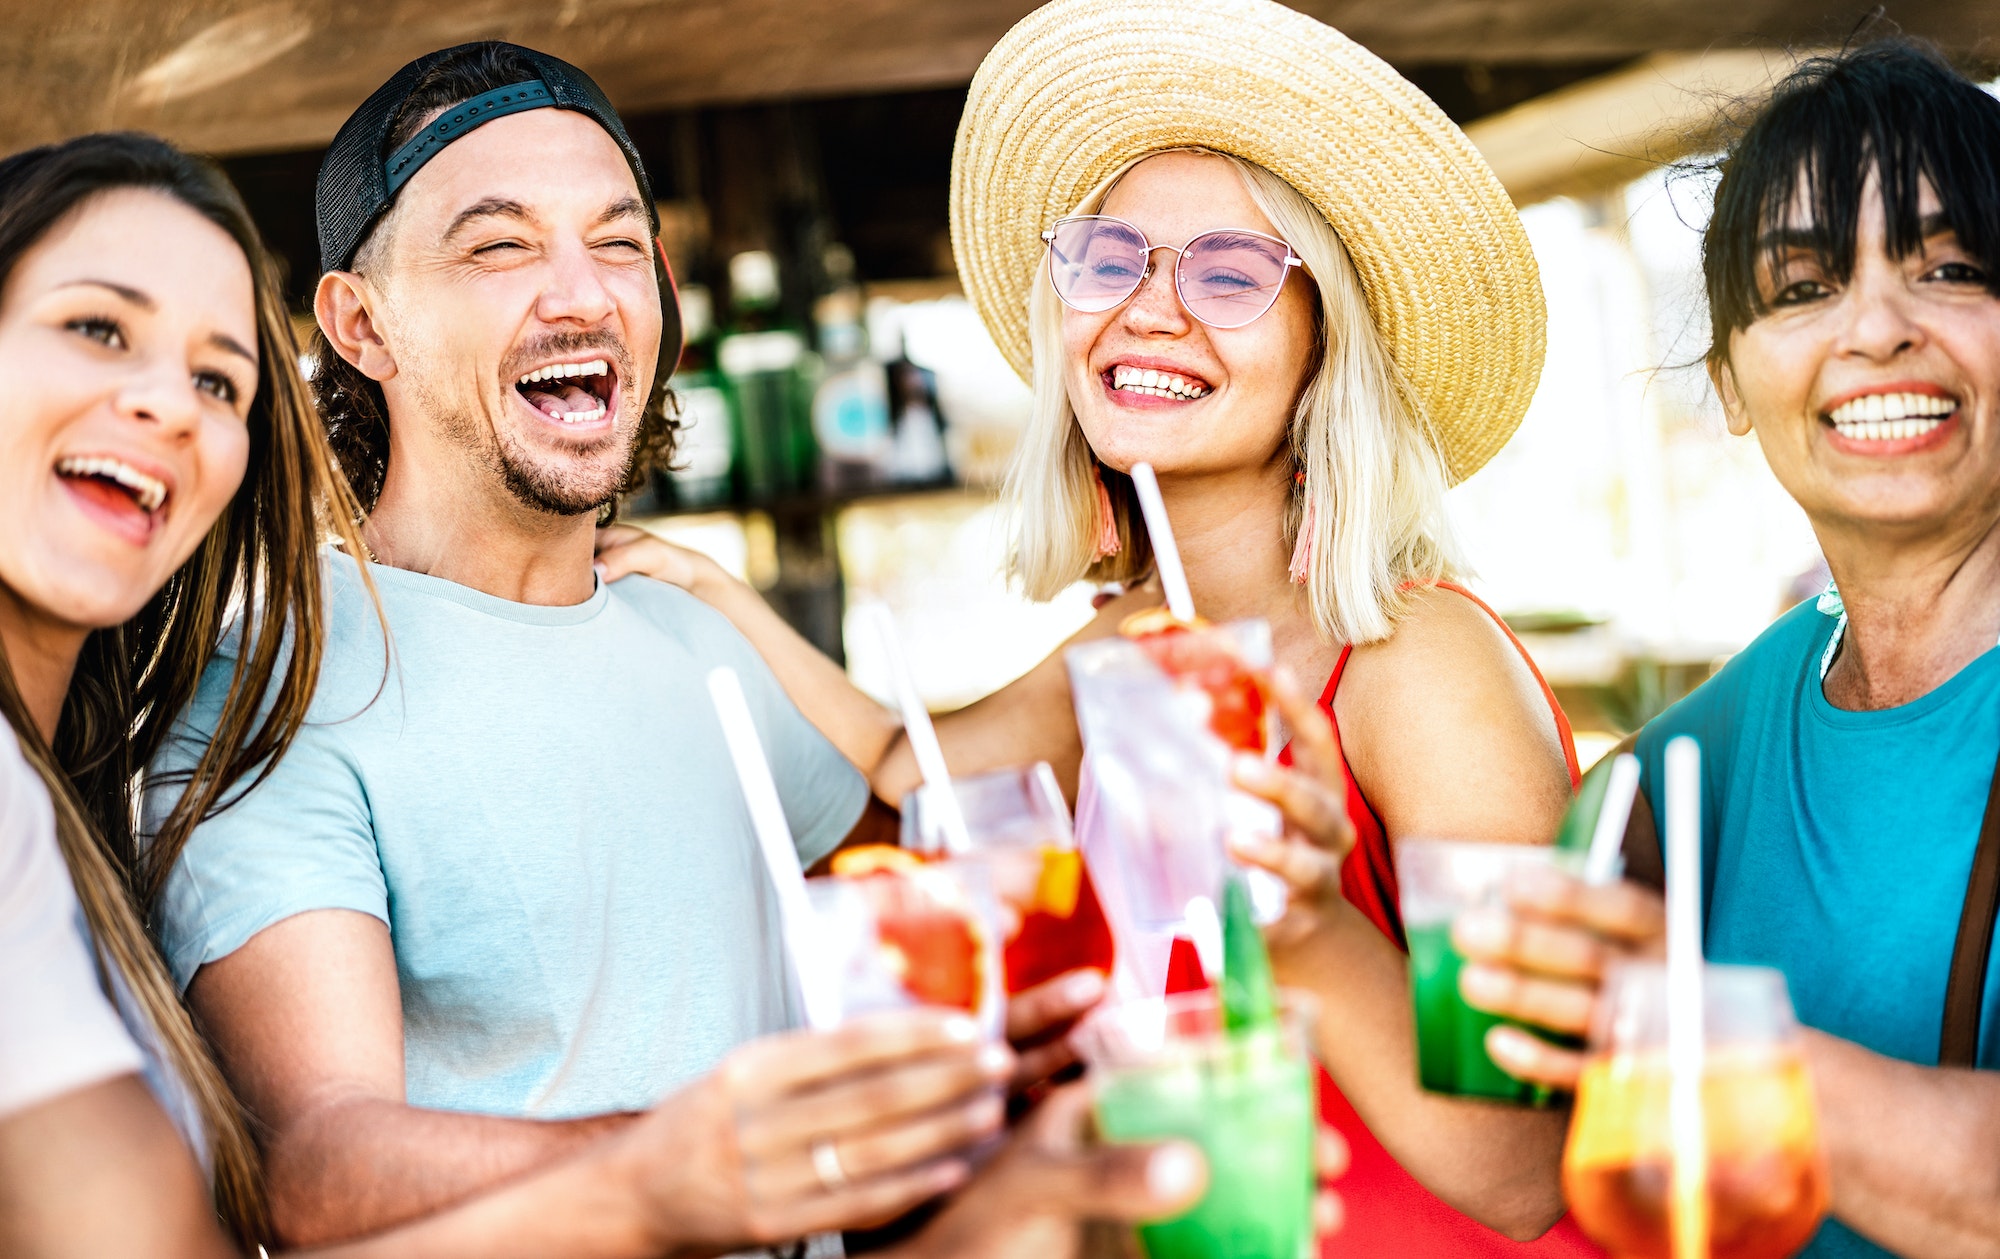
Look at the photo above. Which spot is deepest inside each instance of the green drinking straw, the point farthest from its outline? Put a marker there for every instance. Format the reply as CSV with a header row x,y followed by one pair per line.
x,y
1580,822
1249,997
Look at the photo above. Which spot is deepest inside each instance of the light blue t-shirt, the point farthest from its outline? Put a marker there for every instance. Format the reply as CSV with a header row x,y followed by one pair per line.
x,y
1836,845
539,803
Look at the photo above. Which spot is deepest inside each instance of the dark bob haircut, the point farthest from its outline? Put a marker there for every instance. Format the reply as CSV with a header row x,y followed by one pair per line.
x,y
1893,110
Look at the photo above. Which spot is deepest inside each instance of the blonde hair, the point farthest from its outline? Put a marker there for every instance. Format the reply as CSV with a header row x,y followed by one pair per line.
x,y
1374,476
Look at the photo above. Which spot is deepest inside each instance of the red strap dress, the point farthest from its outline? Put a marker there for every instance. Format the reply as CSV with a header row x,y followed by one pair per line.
x,y
1388,1212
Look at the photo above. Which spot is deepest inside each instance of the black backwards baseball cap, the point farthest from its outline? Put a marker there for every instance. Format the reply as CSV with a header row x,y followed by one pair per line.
x,y
360,177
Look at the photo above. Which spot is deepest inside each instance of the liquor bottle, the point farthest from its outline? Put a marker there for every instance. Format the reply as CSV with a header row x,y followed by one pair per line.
x,y
918,457
707,438
767,366
851,404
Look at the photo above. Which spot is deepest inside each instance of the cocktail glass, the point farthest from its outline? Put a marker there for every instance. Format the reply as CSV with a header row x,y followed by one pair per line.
x,y
1152,813
1766,1175
1165,1068
1440,879
924,934
1223,662
1017,820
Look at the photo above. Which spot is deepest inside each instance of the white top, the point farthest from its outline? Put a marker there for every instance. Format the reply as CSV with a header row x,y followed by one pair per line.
x,y
58,1031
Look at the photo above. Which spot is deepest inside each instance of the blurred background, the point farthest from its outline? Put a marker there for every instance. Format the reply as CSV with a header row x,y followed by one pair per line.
x,y
851,419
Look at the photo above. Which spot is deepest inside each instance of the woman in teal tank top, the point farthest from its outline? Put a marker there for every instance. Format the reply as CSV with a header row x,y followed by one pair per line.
x,y
1853,274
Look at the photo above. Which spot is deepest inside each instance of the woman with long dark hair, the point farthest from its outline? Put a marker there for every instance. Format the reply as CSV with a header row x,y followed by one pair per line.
x,y
129,547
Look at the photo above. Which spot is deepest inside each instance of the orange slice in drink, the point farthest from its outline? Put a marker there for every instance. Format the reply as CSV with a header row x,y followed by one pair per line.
x,y
1061,882
866,859
936,954
1157,621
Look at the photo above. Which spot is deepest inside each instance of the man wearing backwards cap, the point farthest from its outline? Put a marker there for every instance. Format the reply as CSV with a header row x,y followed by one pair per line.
x,y
496,902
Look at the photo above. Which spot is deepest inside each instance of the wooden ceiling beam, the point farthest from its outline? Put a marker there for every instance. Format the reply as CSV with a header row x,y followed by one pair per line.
x,y
1605,132
257,75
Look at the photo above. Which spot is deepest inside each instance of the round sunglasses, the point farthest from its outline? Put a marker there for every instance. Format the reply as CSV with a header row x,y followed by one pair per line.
x,y
1226,277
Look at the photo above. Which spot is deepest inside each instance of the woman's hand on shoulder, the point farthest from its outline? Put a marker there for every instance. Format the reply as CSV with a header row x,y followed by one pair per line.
x,y
1448,732
623,550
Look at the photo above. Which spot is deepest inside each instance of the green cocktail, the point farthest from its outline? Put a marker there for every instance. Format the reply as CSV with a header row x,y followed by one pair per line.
x,y
1167,1069
1440,880
1451,1035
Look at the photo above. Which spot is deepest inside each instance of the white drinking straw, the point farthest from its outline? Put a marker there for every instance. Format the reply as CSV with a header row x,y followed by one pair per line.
x,y
1180,600
817,991
1688,1213
939,794
1204,928
1600,863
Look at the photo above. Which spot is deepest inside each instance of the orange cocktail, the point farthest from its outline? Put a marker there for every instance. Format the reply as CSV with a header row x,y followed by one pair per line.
x,y
1766,1177
1063,927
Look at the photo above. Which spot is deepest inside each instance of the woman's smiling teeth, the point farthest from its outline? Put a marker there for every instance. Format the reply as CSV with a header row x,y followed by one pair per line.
x,y
1880,417
149,493
550,391
1157,384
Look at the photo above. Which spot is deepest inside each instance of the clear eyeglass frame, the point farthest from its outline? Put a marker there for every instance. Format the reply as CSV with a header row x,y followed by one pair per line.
x,y
1194,307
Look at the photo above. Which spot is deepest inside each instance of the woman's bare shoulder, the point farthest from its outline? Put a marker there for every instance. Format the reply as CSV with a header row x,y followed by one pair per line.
x,y
1447,708
1440,629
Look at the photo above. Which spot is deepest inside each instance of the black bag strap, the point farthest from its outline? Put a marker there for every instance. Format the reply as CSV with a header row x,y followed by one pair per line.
x,y
1965,990
1644,860
1971,954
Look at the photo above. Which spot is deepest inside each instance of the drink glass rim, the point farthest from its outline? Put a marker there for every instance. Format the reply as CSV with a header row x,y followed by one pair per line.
x,y
1037,780
1427,898
1107,1042
1729,989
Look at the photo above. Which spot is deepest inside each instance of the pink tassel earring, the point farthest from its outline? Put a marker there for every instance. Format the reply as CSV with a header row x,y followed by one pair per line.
x,y
1108,542
1302,553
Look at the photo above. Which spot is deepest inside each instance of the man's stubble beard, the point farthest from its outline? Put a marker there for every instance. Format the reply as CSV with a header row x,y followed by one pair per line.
x,y
564,490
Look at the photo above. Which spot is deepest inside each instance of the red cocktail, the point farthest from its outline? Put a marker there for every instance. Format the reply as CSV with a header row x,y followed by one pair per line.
x,y
1223,661
923,934
1019,825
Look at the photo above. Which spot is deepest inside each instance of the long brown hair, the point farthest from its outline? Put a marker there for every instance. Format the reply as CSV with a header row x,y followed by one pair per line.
x,y
260,560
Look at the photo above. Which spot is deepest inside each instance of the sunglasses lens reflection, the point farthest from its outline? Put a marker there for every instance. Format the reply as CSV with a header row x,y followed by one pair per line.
x,y
1096,263
1229,278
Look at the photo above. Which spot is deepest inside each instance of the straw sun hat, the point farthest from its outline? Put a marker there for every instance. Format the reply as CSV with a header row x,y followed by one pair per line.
x,y
1080,87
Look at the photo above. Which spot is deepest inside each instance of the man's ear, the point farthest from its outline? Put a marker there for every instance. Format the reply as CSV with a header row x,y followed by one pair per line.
x,y
342,304
1724,379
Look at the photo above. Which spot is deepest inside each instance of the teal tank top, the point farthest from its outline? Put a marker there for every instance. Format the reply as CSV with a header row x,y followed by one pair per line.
x,y
1836,845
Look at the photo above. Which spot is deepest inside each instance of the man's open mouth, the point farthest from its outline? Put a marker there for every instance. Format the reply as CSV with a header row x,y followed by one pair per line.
x,y
570,393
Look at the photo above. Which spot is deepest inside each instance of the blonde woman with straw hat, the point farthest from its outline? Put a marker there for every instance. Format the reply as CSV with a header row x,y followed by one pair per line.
x,y
1221,238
